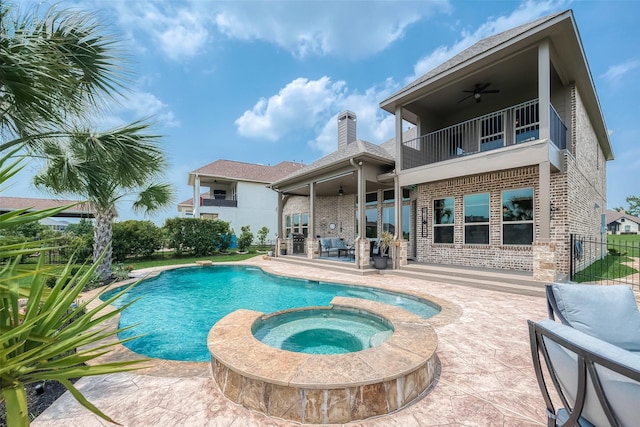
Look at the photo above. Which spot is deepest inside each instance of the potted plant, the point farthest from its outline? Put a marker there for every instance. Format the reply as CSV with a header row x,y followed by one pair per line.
x,y
380,261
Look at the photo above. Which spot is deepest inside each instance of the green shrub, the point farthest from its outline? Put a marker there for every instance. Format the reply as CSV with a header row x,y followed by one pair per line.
x,y
135,238
262,235
198,237
245,239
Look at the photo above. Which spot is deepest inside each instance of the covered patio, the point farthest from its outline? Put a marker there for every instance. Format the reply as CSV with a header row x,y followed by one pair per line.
x,y
350,196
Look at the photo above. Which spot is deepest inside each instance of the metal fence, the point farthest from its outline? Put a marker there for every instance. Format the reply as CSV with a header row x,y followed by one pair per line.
x,y
609,261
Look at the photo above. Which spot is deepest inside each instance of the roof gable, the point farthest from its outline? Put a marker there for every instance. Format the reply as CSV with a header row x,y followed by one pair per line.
x,y
241,171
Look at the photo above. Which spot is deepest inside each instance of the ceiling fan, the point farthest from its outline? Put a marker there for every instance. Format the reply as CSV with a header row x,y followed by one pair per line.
x,y
477,91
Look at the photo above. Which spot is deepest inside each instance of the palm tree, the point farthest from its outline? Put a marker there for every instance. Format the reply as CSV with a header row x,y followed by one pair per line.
x,y
105,168
55,69
41,340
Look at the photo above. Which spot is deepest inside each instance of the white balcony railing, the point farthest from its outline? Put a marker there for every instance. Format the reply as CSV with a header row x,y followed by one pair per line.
x,y
514,125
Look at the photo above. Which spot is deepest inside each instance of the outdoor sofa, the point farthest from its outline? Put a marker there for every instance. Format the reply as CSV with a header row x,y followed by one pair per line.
x,y
592,356
332,245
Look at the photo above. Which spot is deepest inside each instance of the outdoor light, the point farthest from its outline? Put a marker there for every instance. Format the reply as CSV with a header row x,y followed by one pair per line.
x,y
341,191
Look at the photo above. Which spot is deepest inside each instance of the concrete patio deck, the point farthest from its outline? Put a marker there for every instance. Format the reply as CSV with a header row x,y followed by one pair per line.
x,y
486,376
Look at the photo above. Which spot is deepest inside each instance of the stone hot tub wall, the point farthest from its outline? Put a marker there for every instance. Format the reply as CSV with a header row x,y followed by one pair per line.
x,y
325,389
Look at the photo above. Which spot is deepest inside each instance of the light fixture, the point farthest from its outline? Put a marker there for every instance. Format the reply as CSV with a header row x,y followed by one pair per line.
x,y
340,191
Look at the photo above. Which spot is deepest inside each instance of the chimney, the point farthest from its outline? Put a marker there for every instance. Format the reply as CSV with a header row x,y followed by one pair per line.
x,y
346,128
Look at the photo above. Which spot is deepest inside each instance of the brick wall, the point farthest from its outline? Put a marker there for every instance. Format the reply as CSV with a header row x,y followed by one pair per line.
x,y
493,255
338,210
586,183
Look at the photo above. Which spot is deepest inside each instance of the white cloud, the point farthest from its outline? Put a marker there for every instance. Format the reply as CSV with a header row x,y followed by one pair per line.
x,y
373,124
297,106
321,28
177,29
526,12
615,73
304,105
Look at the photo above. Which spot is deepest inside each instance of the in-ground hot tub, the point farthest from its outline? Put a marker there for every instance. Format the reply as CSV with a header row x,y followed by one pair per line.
x,y
322,330
325,388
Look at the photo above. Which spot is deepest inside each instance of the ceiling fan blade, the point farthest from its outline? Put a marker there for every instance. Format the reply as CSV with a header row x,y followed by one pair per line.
x,y
491,91
466,97
482,88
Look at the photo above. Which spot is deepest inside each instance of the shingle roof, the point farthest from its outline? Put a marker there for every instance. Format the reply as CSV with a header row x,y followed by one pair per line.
x,y
478,48
248,171
613,216
14,203
355,148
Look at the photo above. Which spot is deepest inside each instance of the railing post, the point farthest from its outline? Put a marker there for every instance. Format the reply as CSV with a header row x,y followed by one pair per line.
x,y
571,254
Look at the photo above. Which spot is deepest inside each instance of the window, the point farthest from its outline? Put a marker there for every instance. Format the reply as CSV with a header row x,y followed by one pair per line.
x,y
371,199
372,223
517,217
296,224
305,224
219,194
476,219
388,196
287,225
406,218
443,217
388,219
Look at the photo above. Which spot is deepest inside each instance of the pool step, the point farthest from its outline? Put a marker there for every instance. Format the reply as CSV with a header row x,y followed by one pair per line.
x,y
339,266
491,279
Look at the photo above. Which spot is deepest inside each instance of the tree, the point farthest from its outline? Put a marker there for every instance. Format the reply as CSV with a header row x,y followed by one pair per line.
x,y
634,205
136,238
245,239
262,235
104,168
198,236
55,70
42,339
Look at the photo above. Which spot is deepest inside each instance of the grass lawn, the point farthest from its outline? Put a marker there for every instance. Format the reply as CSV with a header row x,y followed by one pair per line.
x,y
610,267
625,243
160,259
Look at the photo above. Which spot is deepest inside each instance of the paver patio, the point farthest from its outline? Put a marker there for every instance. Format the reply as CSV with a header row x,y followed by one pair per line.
x,y
486,377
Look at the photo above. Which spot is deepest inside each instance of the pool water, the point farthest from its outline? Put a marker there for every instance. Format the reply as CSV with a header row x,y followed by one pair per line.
x,y
322,331
178,307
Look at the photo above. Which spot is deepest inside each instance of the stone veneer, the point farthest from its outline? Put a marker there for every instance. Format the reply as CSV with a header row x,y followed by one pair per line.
x,y
322,389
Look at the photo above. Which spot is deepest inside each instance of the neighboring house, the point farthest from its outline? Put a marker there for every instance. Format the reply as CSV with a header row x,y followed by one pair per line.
x,y
79,210
506,158
237,193
622,223
54,225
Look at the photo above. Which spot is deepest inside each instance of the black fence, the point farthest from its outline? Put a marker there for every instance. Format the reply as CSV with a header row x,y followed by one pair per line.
x,y
613,260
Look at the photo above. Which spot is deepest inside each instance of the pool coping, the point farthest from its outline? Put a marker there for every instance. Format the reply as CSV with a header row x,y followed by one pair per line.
x,y
449,312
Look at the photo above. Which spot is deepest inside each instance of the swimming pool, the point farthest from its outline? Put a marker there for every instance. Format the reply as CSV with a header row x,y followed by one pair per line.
x,y
178,307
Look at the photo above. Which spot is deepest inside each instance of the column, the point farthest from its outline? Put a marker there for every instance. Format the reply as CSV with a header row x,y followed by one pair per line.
x,y
196,197
544,88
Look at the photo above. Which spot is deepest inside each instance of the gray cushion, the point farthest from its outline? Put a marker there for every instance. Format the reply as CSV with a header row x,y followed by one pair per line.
x,y
325,242
341,244
609,313
335,242
621,391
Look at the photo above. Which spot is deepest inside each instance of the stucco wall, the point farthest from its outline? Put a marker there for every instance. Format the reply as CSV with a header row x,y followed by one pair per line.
x,y
257,206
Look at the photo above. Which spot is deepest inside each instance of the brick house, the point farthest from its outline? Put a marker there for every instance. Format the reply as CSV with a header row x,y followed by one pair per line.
x,y
505,158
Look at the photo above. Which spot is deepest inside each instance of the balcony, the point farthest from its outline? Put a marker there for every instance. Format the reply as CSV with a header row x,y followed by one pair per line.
x,y
518,124
227,203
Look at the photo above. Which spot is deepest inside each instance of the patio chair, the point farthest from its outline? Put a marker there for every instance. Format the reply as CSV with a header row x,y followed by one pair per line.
x,y
592,358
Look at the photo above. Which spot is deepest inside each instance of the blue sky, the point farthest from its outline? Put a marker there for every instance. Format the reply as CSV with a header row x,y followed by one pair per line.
x,y
262,82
